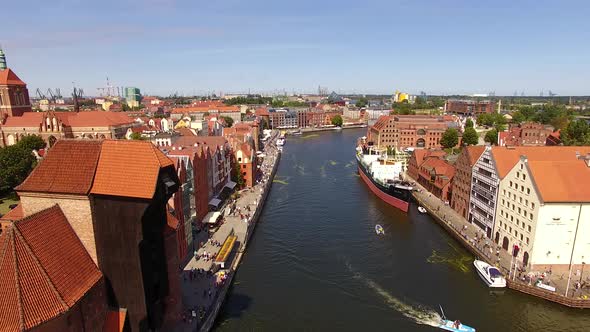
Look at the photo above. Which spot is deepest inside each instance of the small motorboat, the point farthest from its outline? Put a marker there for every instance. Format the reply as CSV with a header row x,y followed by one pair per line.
x,y
455,326
489,274
379,229
422,209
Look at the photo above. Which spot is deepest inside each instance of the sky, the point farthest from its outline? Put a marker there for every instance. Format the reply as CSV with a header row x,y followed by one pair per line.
x,y
271,46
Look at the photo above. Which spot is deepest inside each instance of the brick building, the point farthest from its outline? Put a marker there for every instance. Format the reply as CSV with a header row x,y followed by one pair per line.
x,y
401,131
114,194
462,179
470,107
418,157
526,134
436,176
49,281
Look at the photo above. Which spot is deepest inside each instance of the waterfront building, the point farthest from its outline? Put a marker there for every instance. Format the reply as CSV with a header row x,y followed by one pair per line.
x,y
462,180
182,205
402,131
418,157
114,195
469,107
484,192
283,118
436,175
525,134
544,206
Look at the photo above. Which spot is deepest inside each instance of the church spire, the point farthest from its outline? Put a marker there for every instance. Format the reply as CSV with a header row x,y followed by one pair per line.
x,y
2,59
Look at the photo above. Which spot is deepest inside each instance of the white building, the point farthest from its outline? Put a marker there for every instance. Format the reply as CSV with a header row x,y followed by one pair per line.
x,y
544,206
484,192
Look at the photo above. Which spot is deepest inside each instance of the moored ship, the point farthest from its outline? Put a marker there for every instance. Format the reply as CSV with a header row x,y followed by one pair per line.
x,y
382,176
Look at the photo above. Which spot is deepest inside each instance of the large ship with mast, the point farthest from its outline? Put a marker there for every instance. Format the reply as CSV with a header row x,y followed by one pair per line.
x,y
382,174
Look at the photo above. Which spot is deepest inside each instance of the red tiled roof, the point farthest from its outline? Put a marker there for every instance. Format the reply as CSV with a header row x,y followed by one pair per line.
x,y
128,169
185,132
115,321
562,181
211,141
98,119
505,158
262,111
8,77
45,270
28,119
68,167
14,214
474,152
381,122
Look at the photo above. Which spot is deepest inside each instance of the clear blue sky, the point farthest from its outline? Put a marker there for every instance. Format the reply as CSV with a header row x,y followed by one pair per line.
x,y
363,46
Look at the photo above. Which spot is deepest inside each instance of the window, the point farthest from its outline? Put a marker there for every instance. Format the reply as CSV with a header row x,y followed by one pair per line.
x,y
524,176
527,240
521,166
531,216
520,200
510,184
532,205
529,230
515,234
510,229
518,210
511,218
528,191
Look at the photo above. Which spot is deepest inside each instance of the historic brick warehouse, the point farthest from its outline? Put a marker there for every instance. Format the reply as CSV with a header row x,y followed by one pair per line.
x,y
401,131
111,196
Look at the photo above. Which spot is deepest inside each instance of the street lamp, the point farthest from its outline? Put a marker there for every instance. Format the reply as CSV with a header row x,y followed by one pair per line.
x,y
582,274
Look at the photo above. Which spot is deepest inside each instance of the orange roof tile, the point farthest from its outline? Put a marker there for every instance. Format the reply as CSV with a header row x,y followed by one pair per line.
x,y
474,152
68,167
8,77
562,181
14,214
128,169
506,157
28,119
45,270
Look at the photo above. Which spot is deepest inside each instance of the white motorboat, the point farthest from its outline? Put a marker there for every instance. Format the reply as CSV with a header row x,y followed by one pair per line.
x,y
422,209
489,274
280,142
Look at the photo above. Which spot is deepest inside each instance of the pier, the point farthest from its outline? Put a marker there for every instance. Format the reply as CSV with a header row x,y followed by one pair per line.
x,y
204,288
473,239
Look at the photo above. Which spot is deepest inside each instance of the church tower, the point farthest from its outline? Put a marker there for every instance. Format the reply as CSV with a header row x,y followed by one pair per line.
x,y
14,95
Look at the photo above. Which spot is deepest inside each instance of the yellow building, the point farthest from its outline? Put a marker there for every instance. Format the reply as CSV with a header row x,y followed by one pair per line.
x,y
399,97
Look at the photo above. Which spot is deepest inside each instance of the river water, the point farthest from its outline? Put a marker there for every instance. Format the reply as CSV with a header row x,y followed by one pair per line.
x,y
316,264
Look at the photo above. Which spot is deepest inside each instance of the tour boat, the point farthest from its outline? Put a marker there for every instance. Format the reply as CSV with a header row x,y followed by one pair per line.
x,y
381,173
379,229
455,326
421,209
489,274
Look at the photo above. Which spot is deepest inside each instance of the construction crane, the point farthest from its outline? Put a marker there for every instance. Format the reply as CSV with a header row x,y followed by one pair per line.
x,y
551,94
40,94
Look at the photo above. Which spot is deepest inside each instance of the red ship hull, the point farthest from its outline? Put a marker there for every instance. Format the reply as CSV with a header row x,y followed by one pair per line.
x,y
393,201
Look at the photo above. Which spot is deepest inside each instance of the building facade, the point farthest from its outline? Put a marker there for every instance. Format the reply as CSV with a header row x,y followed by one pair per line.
x,y
525,134
401,131
484,192
469,107
462,179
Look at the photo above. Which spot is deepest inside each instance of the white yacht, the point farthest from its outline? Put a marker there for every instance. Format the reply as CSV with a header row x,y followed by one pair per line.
x,y
489,274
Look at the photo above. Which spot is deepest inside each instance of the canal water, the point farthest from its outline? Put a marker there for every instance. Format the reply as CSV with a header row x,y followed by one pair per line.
x,y
316,264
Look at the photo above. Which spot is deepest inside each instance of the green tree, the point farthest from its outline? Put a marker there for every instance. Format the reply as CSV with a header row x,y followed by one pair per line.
x,y
32,142
362,102
576,133
337,120
469,123
518,117
16,162
491,137
470,136
450,138
136,136
228,121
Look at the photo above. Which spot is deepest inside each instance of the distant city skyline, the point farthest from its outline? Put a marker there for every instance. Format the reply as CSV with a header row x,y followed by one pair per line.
x,y
368,47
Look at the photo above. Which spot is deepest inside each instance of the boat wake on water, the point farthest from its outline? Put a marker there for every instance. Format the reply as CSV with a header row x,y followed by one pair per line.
x,y
418,314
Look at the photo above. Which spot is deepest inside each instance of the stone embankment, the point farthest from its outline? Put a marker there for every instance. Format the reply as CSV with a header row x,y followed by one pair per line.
x,y
485,249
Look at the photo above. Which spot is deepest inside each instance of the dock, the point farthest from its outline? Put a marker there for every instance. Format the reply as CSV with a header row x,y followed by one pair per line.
x,y
473,239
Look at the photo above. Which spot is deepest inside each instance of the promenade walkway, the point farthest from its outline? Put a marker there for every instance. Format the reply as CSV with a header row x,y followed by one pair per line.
x,y
202,293
485,249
